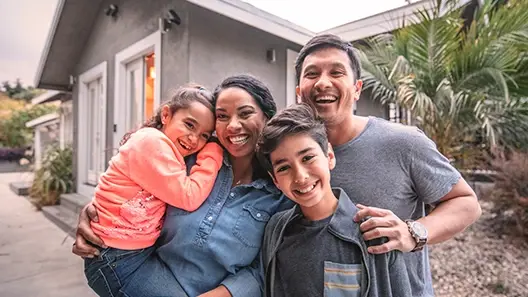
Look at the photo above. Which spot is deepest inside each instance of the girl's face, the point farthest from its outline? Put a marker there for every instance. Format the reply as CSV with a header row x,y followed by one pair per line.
x,y
239,121
188,128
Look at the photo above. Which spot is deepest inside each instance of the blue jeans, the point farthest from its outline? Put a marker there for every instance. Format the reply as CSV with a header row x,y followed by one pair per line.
x,y
113,268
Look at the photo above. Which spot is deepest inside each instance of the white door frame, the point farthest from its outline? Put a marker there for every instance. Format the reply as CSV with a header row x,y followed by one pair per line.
x,y
97,72
149,44
291,82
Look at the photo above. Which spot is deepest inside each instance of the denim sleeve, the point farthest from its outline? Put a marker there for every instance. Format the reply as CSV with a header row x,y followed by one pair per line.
x,y
247,282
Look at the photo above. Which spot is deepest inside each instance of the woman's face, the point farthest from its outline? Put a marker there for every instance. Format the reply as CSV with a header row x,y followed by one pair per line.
x,y
239,121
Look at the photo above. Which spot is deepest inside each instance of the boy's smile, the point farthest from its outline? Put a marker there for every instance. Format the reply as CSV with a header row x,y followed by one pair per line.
x,y
302,172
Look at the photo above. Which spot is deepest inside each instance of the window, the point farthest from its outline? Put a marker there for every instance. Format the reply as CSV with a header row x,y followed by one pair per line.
x,y
137,89
398,114
291,80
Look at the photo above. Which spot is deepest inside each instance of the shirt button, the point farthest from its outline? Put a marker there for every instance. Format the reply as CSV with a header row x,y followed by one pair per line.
x,y
210,218
232,194
258,215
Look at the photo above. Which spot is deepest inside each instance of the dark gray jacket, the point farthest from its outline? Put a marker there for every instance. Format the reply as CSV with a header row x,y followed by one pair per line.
x,y
382,275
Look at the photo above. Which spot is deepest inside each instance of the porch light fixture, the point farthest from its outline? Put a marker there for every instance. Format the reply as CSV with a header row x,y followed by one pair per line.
x,y
166,23
111,10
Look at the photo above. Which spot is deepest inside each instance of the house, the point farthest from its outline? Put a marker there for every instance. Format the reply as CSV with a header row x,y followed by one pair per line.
x,y
119,59
52,127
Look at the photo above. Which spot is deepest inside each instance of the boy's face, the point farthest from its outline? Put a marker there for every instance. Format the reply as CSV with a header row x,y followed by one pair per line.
x,y
301,170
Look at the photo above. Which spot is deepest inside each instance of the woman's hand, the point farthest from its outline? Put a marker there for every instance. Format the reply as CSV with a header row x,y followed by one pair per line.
x,y
85,235
219,291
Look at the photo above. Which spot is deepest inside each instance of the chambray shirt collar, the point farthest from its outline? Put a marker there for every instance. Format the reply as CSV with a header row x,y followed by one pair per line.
x,y
260,183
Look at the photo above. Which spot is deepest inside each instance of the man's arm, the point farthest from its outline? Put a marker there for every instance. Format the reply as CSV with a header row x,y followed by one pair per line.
x,y
455,212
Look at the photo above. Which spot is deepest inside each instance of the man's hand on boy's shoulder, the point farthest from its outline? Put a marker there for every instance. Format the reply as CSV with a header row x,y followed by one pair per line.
x,y
379,222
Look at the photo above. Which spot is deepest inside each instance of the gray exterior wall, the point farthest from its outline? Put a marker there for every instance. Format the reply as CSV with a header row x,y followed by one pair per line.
x,y
220,47
366,106
205,48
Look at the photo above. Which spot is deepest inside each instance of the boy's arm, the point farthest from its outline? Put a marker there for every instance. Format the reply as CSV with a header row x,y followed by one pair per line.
x,y
157,167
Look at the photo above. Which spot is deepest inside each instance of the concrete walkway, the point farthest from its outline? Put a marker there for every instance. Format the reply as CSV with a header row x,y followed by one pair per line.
x,y
34,261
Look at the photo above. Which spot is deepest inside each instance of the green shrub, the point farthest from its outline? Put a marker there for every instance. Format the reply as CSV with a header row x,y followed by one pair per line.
x,y
54,177
13,130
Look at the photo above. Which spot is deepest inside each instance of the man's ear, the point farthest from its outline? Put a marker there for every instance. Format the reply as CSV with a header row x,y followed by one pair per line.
x,y
298,94
359,86
331,157
274,180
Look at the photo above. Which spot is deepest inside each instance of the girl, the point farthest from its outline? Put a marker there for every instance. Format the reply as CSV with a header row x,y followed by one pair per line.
x,y
148,172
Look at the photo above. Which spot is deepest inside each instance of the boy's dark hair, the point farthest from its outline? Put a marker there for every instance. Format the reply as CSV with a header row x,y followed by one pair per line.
x,y
325,41
182,98
293,120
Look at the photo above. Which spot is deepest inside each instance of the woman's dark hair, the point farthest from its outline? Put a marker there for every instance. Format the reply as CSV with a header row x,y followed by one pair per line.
x,y
262,95
182,98
257,89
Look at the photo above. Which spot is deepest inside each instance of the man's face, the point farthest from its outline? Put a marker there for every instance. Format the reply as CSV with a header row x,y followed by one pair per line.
x,y
327,82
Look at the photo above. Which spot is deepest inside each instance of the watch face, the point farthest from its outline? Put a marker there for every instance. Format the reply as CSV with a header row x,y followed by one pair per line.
x,y
419,229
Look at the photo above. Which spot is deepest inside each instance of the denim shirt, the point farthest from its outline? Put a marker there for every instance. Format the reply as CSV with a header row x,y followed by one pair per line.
x,y
220,242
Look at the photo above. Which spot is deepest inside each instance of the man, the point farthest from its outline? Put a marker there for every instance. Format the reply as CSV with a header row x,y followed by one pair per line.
x,y
390,170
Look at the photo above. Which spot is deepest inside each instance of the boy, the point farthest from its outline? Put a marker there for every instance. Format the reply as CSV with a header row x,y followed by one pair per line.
x,y
316,249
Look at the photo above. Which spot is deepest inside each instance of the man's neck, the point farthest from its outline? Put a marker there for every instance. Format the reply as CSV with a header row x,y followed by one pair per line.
x,y
322,210
346,130
242,169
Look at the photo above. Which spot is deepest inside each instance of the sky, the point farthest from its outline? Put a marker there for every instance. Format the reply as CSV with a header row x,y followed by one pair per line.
x,y
24,25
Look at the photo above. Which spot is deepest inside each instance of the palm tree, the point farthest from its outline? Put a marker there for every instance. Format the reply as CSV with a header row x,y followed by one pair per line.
x,y
465,82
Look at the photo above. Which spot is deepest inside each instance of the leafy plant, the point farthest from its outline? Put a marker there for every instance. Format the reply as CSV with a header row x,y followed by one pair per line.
x,y
13,130
465,83
54,177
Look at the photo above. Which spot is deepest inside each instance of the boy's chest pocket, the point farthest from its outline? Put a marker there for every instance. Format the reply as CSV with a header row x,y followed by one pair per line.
x,y
342,280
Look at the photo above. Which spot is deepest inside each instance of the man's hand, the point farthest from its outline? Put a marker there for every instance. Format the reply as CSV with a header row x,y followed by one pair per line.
x,y
219,291
384,223
84,234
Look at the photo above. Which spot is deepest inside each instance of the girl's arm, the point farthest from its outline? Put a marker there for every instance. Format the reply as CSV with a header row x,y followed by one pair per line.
x,y
156,165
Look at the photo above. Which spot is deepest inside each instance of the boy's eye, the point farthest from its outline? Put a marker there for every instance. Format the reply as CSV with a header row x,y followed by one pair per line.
x,y
205,136
221,117
282,168
307,158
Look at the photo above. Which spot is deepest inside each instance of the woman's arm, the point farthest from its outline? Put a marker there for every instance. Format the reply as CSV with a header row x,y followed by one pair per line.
x,y
85,238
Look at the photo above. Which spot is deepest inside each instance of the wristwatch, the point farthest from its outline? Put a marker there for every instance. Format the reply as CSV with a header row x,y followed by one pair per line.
x,y
419,233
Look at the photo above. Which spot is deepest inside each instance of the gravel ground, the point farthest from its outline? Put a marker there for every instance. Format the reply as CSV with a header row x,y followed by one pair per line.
x,y
482,261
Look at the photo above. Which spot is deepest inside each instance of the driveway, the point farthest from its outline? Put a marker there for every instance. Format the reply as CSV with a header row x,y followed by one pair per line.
x,y
35,255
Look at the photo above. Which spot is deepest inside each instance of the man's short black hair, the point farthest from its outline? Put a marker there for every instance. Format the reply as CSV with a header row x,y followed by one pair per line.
x,y
293,120
325,41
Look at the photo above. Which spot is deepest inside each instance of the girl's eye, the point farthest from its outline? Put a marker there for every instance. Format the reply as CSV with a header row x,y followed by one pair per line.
x,y
205,136
189,125
307,158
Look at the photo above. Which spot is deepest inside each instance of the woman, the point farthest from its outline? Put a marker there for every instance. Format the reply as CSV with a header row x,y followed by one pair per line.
x,y
214,250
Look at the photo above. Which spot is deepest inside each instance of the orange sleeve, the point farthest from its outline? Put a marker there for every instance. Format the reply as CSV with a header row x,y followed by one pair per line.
x,y
156,165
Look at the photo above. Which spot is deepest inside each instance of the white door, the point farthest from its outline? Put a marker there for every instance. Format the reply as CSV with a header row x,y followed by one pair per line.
x,y
95,141
135,94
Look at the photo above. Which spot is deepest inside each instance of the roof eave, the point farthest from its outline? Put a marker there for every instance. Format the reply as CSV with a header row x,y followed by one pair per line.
x,y
229,9
46,49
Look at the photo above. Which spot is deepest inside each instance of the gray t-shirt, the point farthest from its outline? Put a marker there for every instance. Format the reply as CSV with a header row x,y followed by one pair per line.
x,y
396,167
305,254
